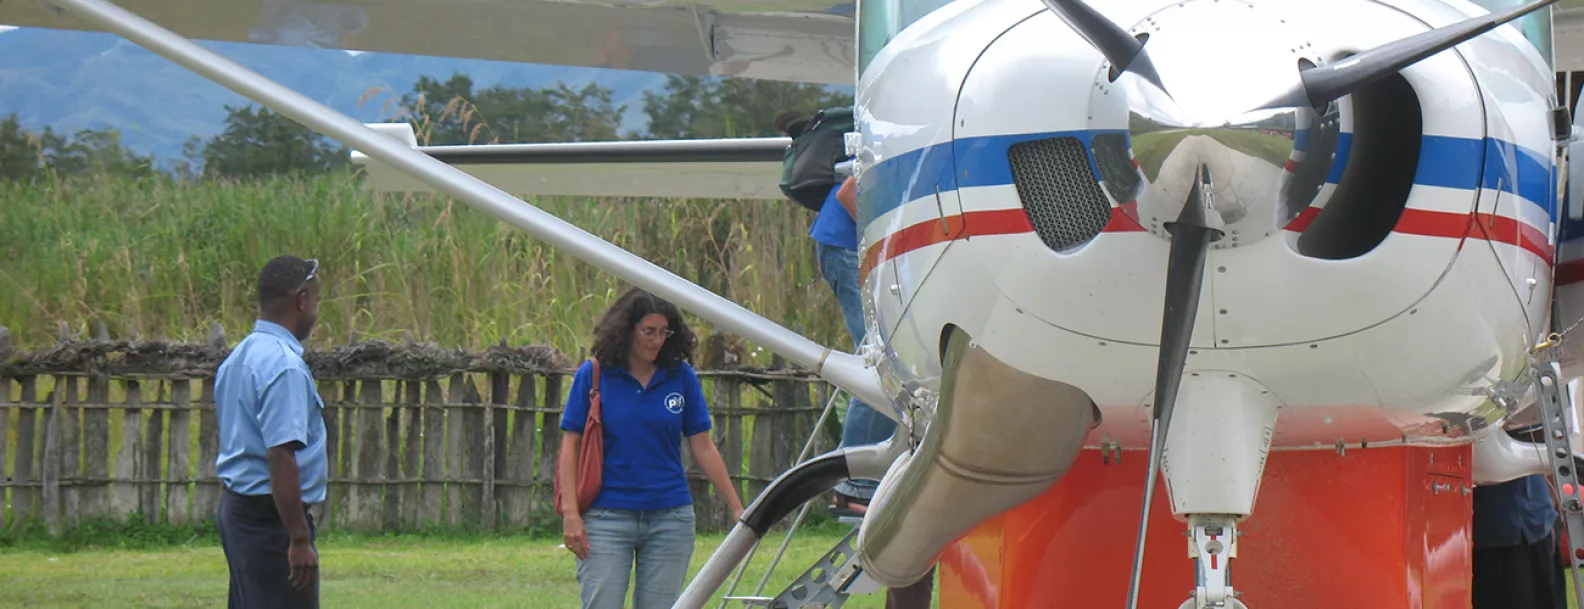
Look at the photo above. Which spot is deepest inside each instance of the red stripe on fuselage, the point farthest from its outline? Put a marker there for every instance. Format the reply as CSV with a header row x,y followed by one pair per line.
x,y
971,224
1500,229
1421,222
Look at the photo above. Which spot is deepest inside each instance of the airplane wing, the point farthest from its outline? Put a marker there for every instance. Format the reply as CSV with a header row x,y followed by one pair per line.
x,y
789,40
737,168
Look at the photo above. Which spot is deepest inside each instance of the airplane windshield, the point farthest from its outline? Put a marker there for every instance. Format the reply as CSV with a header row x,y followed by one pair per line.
x,y
879,21
1535,26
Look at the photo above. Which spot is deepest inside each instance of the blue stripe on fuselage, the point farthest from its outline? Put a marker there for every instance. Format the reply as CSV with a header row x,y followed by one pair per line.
x,y
1448,162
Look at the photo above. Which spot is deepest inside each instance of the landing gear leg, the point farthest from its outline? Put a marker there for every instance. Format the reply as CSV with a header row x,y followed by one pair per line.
x,y
1212,543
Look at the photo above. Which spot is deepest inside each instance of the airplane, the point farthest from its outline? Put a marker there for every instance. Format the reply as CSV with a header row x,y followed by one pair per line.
x,y
1303,268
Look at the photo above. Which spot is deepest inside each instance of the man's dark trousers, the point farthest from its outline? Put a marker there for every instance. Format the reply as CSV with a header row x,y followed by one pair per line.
x,y
255,542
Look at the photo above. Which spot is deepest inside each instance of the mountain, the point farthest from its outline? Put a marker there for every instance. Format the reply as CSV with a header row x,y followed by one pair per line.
x,y
81,80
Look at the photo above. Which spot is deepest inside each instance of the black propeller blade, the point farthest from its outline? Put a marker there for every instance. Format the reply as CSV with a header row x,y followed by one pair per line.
x,y
1324,84
1190,244
1125,52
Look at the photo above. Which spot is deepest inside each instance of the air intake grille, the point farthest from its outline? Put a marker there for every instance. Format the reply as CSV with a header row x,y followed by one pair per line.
x,y
1059,191
1116,167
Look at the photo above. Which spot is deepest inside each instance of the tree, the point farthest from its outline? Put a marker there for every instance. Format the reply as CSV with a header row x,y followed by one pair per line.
x,y
260,142
26,155
692,107
93,151
452,113
20,155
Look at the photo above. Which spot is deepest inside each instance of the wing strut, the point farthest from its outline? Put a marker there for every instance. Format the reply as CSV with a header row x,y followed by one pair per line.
x,y
842,369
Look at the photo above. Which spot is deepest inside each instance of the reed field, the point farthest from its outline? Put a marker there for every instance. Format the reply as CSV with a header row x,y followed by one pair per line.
x,y
166,258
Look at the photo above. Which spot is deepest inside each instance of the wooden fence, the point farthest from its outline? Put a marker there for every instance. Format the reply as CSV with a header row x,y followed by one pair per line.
x,y
419,437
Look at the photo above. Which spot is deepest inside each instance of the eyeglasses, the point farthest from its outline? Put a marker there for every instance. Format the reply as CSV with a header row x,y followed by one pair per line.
x,y
650,332
311,272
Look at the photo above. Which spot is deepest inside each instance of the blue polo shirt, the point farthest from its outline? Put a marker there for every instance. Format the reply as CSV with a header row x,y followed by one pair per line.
x,y
833,226
644,428
1513,513
264,397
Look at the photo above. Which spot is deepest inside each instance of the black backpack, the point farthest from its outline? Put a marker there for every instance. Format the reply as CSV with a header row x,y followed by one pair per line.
x,y
808,171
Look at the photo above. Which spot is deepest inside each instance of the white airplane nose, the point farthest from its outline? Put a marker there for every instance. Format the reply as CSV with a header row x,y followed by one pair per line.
x,y
1331,220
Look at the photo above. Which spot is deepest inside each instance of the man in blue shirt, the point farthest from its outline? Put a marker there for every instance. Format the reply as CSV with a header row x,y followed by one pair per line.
x,y
272,461
1515,549
835,235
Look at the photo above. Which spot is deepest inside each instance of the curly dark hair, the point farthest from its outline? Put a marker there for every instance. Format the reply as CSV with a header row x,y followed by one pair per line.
x,y
613,335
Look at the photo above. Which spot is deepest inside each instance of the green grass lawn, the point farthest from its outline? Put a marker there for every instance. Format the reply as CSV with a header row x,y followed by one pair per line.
x,y
358,572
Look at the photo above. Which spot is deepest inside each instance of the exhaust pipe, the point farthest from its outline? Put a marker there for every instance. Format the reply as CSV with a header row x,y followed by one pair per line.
x,y
1000,437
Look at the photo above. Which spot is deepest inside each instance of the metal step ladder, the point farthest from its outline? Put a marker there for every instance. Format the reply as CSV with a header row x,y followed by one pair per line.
x,y
827,584
1555,416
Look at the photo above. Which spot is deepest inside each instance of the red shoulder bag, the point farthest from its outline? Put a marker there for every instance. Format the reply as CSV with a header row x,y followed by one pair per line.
x,y
591,453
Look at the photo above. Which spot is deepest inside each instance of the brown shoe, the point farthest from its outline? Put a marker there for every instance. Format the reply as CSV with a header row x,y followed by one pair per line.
x,y
846,505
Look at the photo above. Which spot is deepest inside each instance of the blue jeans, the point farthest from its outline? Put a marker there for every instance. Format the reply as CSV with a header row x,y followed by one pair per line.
x,y
864,425
661,541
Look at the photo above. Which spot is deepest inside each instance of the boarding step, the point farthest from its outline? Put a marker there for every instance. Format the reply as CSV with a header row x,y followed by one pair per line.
x,y
1555,419
826,585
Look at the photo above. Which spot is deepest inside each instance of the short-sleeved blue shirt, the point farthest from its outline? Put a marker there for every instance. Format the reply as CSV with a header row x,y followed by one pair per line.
x,y
264,397
834,226
644,428
1513,513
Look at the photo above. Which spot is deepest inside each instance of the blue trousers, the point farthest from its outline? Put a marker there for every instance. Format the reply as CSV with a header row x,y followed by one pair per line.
x,y
255,544
863,425
660,542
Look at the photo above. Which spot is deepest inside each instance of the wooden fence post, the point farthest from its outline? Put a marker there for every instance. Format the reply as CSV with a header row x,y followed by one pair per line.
x,y
124,491
150,437
392,474
206,491
70,474
5,416
94,498
549,442
476,431
412,448
338,443
434,473
519,471
365,504
24,496
792,425
495,419
52,459
456,440
179,491
71,448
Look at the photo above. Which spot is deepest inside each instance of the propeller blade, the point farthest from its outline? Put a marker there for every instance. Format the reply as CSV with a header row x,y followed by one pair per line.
x,y
1190,244
1124,51
1324,84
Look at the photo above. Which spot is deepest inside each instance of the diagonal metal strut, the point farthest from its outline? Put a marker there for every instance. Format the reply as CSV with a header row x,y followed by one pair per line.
x,y
842,369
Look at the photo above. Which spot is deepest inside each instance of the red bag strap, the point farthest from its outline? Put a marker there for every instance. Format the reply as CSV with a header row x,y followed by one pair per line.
x,y
594,392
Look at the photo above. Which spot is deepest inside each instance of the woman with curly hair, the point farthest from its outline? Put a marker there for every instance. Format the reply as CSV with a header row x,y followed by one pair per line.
x,y
650,400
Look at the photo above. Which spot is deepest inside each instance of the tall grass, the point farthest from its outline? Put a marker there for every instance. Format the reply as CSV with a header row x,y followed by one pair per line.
x,y
165,258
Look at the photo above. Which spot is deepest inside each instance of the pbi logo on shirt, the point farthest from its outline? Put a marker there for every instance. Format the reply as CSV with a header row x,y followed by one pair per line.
x,y
675,402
